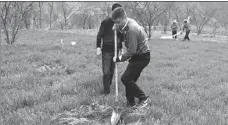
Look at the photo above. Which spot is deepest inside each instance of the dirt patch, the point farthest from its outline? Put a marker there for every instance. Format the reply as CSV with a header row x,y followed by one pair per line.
x,y
47,67
85,114
99,115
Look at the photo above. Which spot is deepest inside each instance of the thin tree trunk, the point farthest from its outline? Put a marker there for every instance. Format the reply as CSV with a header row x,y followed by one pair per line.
x,y
0,50
6,32
199,31
214,31
4,21
51,11
0,36
40,20
226,31
64,15
84,22
149,31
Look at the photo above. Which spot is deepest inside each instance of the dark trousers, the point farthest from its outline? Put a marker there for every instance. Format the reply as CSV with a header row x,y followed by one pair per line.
x,y
187,35
131,75
108,67
174,32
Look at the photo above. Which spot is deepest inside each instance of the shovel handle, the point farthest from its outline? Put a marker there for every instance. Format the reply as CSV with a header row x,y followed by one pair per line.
x,y
177,34
116,72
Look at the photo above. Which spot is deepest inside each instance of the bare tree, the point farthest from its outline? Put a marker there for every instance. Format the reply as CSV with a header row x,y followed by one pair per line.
x,y
215,25
27,16
201,15
105,7
64,14
12,14
147,13
84,20
67,9
0,44
51,6
107,10
5,9
167,16
40,4
222,17
178,14
189,7
88,15
0,34
224,23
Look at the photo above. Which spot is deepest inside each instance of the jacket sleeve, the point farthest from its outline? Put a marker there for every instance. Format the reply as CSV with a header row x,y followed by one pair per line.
x,y
100,34
132,40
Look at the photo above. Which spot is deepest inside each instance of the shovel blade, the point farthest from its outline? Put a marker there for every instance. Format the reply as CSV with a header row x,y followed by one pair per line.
x,y
115,117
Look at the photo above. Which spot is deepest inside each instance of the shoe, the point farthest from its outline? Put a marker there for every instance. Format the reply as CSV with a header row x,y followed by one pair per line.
x,y
105,94
143,103
131,105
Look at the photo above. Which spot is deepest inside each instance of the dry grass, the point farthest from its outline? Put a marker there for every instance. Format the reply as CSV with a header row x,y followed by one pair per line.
x,y
187,81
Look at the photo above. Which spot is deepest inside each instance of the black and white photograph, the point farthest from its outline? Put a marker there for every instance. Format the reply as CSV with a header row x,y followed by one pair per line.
x,y
114,62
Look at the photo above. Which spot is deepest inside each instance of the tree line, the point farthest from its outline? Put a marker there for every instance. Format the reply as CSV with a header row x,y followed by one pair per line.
x,y
17,15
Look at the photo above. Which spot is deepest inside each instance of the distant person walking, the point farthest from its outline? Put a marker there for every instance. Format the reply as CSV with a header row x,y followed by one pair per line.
x,y
105,37
174,28
186,28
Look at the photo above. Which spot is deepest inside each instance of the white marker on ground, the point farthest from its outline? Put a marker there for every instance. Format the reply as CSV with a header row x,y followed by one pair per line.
x,y
62,42
73,43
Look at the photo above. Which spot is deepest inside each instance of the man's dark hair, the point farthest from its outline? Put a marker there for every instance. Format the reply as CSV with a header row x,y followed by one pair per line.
x,y
118,13
115,5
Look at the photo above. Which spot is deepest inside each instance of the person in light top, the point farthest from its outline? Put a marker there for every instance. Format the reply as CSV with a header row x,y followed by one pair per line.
x,y
137,54
174,28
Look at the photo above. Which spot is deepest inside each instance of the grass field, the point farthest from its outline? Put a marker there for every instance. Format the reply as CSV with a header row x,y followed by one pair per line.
x,y
41,79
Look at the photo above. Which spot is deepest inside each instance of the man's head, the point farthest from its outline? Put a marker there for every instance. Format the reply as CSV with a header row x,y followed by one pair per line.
x,y
115,5
119,16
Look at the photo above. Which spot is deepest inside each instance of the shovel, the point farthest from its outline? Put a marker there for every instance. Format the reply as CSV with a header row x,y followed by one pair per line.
x,y
170,37
116,113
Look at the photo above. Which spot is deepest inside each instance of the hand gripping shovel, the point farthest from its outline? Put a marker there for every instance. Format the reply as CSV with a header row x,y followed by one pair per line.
x,y
116,113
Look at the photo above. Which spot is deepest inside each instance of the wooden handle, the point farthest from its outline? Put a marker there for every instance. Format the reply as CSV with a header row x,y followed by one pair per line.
x,y
116,72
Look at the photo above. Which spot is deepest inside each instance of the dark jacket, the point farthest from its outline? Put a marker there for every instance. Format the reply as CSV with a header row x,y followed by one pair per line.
x,y
106,33
186,27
